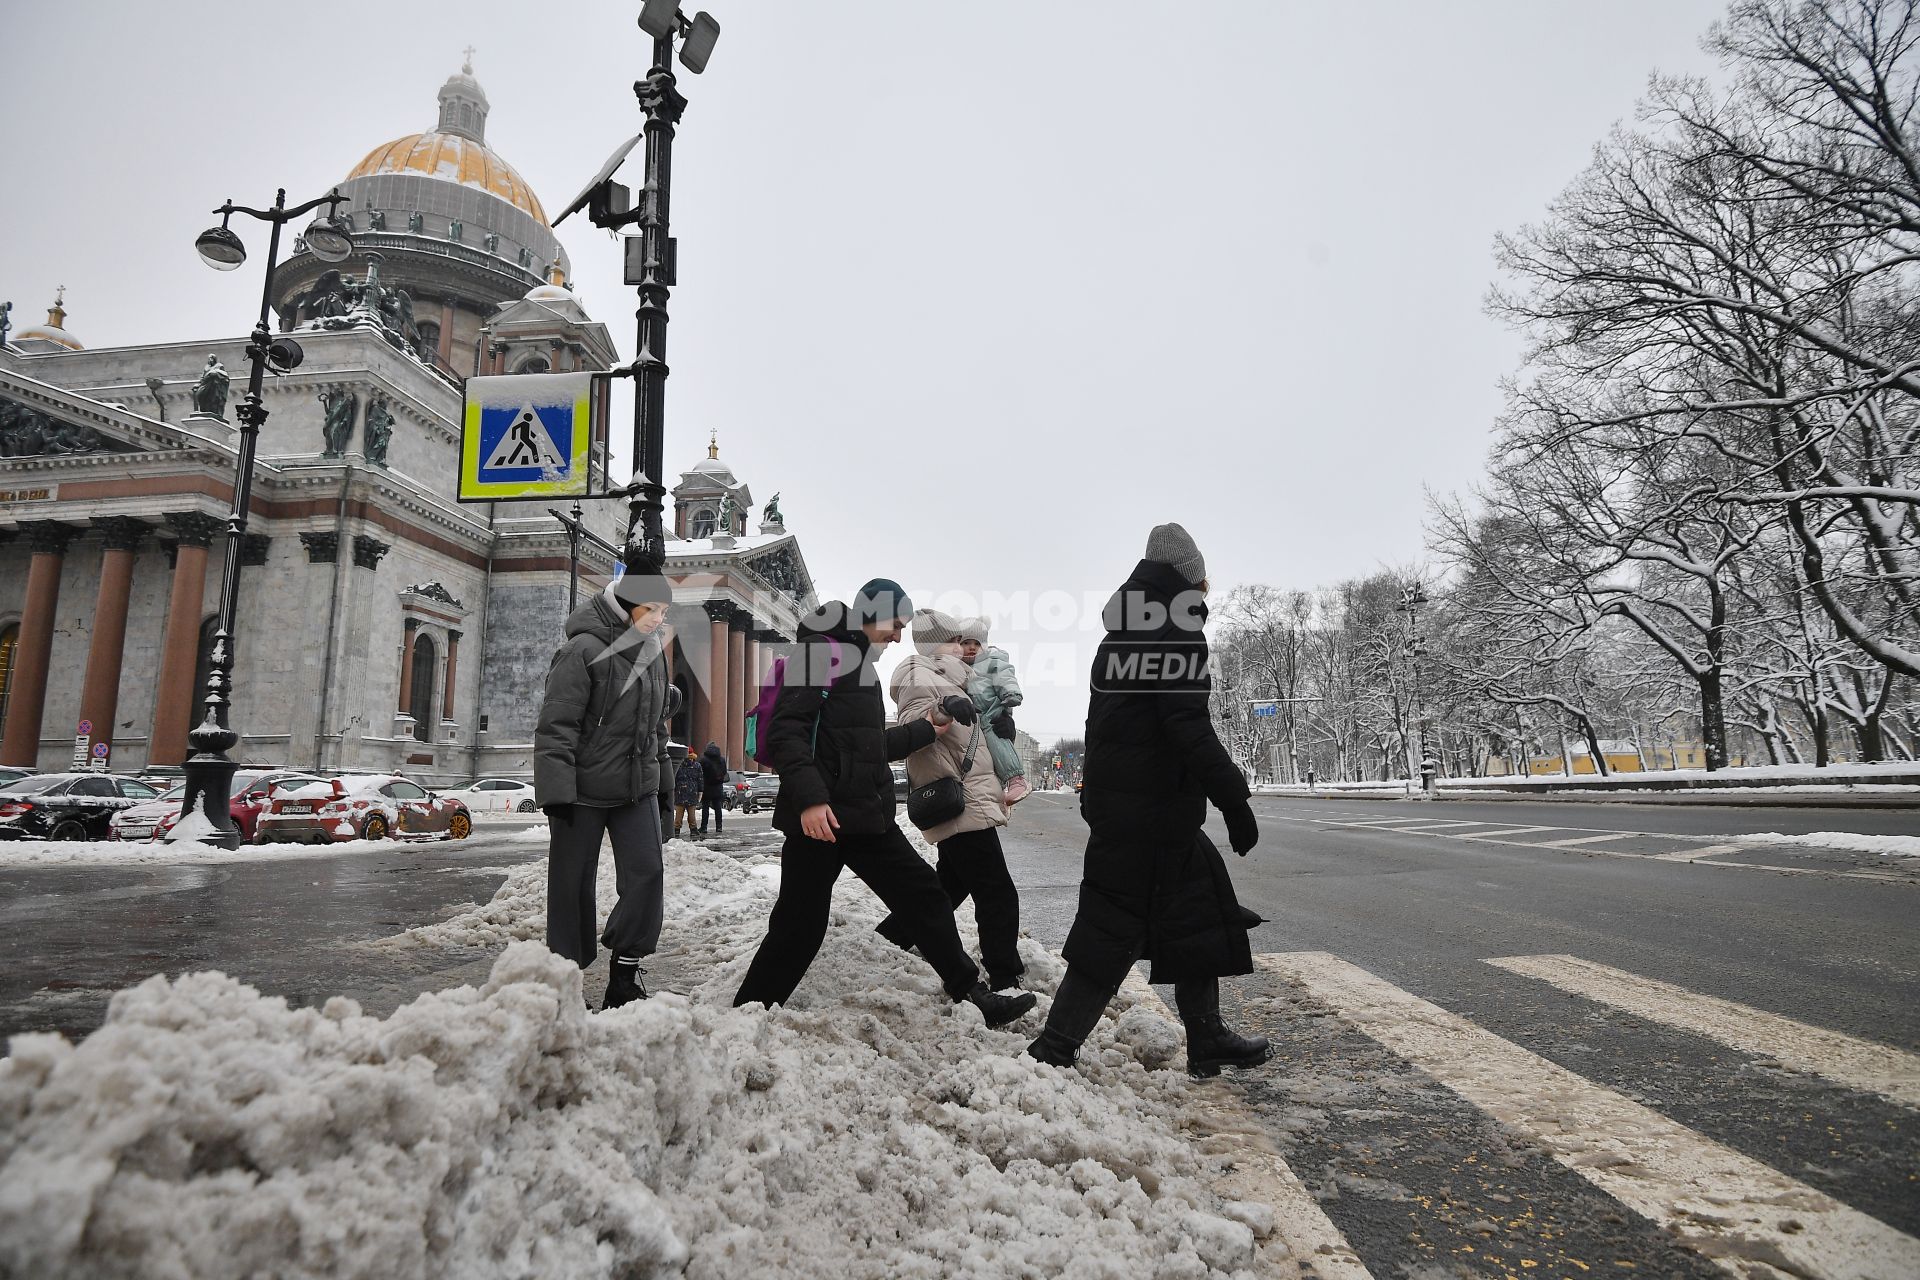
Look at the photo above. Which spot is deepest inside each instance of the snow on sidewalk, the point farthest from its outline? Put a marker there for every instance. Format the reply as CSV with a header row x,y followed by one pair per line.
x,y
1885,846
868,1129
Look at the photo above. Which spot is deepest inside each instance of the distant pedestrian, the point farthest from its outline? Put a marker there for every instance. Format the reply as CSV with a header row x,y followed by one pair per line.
x,y
830,742
971,863
995,691
688,782
713,787
1153,884
596,751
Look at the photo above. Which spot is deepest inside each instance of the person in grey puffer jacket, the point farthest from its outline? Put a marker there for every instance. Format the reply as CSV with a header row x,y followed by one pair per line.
x,y
596,773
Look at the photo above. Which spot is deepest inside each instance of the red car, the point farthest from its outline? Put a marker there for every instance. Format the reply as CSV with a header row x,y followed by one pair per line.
x,y
251,789
369,806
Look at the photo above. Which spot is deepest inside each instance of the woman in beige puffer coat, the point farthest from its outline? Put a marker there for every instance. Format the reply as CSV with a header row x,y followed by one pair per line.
x,y
971,863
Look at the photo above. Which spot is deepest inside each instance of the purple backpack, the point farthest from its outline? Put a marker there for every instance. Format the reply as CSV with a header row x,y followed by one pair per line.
x,y
760,719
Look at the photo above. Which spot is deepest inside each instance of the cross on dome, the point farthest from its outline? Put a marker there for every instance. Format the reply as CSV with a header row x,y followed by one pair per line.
x,y
466,66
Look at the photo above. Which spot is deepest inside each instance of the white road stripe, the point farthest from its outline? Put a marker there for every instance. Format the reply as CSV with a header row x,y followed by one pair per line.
x,y
1856,1064
1698,857
1688,855
1299,1221
1744,1215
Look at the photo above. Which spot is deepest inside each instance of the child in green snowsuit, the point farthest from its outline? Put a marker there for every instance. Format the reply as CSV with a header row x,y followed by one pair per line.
x,y
995,692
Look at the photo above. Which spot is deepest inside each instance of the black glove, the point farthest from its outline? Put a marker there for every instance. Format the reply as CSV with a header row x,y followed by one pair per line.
x,y
558,812
1003,725
1243,829
961,709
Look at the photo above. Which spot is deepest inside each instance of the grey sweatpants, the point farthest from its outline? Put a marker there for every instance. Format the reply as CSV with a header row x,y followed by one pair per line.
x,y
573,866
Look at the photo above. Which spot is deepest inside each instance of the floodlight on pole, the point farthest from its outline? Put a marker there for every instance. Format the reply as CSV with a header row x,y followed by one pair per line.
x,y
660,18
702,34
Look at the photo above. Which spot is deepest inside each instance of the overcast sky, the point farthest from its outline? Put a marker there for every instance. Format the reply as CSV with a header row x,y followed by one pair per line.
x,y
983,300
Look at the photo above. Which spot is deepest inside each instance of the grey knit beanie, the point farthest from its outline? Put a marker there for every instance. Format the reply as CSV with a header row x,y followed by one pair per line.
x,y
932,627
974,629
1170,544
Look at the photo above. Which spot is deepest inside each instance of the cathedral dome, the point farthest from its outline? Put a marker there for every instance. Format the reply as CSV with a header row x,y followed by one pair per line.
x,y
454,158
54,330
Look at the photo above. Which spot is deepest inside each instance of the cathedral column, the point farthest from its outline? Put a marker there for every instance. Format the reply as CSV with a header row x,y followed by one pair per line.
x,y
100,694
453,661
47,539
446,333
736,741
718,611
406,667
180,655
700,706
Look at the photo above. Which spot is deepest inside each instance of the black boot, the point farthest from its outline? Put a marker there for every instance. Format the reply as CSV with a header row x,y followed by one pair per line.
x,y
1211,1044
623,982
1076,1010
1054,1048
999,1010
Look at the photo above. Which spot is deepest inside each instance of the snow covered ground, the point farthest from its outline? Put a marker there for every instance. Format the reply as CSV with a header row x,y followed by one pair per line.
x,y
148,852
1885,846
870,1128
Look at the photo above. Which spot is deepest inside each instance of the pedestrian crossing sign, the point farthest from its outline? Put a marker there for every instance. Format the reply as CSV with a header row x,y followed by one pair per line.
x,y
526,436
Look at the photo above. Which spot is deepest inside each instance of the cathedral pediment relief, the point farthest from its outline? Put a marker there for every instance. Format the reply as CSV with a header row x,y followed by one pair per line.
x,y
781,569
27,432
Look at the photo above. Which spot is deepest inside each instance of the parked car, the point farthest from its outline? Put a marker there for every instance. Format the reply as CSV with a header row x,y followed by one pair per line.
x,y
252,788
367,806
12,773
493,795
67,806
142,821
763,791
739,792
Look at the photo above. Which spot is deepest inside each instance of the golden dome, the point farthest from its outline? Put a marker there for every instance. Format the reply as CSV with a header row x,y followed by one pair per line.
x,y
455,159
55,329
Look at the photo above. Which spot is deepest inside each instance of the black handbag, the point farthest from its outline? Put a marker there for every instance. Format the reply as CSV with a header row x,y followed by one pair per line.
x,y
943,799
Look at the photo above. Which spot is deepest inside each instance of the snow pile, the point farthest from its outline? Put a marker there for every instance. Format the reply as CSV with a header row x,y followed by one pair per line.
x,y
868,1129
1885,846
146,852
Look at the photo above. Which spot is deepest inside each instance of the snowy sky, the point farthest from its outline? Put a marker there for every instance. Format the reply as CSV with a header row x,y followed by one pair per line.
x,y
982,302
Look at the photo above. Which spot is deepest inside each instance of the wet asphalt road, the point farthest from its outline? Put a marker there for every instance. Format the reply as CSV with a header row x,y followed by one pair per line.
x,y
1424,1184
1421,1182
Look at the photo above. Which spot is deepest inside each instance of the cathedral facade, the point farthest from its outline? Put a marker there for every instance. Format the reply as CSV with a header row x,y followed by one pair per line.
x,y
381,625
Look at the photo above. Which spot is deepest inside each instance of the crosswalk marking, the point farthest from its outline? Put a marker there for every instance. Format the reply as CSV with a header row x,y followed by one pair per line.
x,y
1703,856
1299,1220
1688,855
1856,1064
1741,1213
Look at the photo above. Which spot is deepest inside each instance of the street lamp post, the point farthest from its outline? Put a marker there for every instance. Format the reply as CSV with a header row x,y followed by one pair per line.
x,y
209,770
1410,601
651,261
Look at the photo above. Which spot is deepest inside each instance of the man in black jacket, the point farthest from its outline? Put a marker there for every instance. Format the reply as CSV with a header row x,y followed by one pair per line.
x,y
1153,885
830,743
596,773
713,789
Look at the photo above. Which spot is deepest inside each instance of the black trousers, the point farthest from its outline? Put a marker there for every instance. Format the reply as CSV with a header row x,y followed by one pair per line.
x,y
710,801
798,925
573,865
972,865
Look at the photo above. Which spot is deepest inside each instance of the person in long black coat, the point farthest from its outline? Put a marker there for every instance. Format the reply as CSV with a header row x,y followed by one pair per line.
x,y
830,742
1153,884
